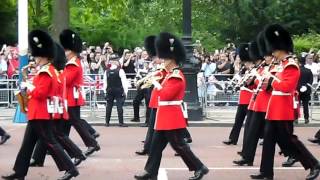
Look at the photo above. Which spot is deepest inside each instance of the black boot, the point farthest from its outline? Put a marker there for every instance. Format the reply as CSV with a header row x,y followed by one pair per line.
x,y
243,162
145,176
142,152
229,142
78,160
13,176
261,176
69,174
92,150
4,138
199,173
314,173
290,162
314,140
34,163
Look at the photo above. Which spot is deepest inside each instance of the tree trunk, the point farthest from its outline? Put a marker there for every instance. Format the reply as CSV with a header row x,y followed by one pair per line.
x,y
60,17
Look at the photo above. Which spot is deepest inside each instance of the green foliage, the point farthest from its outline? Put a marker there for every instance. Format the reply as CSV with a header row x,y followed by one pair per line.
x,y
305,42
8,22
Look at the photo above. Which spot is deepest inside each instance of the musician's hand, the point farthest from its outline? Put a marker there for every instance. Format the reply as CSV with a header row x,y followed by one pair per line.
x,y
27,85
267,84
156,84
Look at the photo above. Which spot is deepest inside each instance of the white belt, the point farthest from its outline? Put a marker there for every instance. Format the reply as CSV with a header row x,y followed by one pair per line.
x,y
245,89
279,93
169,103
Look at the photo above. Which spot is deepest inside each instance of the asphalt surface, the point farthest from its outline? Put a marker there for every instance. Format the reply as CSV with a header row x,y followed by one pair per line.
x,y
117,160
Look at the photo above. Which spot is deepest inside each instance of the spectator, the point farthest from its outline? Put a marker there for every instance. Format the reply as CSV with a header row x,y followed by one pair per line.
x,y
129,65
310,64
13,63
209,66
223,67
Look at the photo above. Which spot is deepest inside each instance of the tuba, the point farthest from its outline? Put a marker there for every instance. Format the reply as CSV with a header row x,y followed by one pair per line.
x,y
21,94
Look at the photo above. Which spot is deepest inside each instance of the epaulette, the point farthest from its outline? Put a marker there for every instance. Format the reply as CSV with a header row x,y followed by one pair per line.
x,y
175,74
291,62
45,69
72,62
57,75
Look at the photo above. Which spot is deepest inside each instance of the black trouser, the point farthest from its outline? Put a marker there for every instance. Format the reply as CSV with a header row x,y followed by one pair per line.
x,y
246,128
281,132
142,93
40,130
88,126
2,131
317,135
79,126
238,122
254,133
115,94
150,132
176,140
305,103
60,127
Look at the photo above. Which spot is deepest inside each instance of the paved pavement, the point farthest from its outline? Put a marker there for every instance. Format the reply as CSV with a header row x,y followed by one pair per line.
x,y
117,161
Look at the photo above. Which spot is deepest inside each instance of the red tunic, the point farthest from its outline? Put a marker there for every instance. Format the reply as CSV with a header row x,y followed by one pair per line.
x,y
74,80
171,117
245,95
262,98
62,112
45,88
282,104
153,103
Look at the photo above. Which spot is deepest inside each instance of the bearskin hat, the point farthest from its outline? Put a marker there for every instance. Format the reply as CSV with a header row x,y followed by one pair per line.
x,y
278,38
244,52
60,60
169,46
262,45
254,53
149,45
41,44
71,41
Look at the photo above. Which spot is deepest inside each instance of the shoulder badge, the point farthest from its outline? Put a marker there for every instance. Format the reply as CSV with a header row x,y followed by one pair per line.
x,y
45,69
175,74
72,62
291,62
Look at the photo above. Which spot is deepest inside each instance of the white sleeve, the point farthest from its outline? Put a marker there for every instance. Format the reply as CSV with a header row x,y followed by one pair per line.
x,y
105,82
124,81
4,66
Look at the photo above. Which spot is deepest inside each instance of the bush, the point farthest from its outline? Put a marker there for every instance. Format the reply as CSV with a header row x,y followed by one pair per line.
x,y
305,42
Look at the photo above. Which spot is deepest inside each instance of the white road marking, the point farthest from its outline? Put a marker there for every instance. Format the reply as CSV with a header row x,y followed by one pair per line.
x,y
162,174
237,168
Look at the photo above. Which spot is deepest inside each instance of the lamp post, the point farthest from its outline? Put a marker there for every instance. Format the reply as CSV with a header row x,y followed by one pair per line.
x,y
189,67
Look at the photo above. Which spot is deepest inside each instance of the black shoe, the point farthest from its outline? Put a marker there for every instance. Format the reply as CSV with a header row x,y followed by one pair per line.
x,y
306,121
176,154
145,176
199,173
261,143
229,142
314,140
314,173
33,163
261,176
123,125
243,162
290,161
78,160
240,153
96,135
4,138
13,176
142,152
188,140
135,120
69,174
107,124
92,150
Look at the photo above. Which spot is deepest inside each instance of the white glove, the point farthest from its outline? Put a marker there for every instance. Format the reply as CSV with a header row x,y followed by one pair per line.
x,y
27,85
303,89
156,84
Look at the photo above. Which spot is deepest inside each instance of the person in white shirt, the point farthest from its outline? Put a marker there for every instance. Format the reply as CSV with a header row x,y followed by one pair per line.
x,y
115,87
310,64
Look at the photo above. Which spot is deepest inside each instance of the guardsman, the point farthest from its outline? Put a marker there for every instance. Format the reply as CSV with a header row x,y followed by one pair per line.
x,y
4,136
116,88
73,74
40,111
168,128
261,99
244,98
283,107
60,117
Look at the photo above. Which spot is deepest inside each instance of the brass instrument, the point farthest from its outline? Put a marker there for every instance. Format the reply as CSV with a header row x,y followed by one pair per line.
x,y
146,82
21,94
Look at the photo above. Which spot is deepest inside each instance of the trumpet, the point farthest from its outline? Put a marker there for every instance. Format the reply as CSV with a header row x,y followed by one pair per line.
x,y
22,94
146,82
